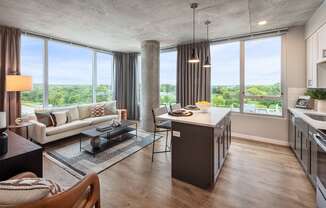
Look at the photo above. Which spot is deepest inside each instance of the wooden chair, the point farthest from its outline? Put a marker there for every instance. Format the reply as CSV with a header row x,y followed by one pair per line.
x,y
85,194
175,106
161,126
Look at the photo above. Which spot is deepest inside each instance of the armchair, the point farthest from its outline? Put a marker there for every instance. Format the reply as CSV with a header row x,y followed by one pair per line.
x,y
85,194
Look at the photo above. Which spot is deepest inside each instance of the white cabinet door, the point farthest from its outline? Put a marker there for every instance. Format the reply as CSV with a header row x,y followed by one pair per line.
x,y
312,57
322,44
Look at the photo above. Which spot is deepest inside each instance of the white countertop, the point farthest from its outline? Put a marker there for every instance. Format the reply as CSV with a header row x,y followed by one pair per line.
x,y
210,118
314,123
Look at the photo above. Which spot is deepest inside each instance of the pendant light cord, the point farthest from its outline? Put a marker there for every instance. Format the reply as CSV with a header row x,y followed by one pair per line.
x,y
194,27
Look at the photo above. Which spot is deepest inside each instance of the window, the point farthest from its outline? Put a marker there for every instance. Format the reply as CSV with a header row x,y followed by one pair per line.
x,y
32,65
168,77
226,75
261,80
263,76
104,72
70,74
73,75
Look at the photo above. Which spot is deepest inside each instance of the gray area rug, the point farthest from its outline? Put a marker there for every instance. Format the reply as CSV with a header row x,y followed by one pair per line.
x,y
67,154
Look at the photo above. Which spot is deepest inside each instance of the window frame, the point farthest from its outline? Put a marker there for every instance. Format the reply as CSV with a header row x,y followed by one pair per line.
x,y
176,63
243,95
45,54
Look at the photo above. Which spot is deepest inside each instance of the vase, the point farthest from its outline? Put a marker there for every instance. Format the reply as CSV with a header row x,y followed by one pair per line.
x,y
320,106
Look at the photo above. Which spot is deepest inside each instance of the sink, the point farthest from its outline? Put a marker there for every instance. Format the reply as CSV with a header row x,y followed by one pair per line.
x,y
316,117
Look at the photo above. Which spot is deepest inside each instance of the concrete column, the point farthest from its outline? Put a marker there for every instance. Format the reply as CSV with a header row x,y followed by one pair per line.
x,y
150,81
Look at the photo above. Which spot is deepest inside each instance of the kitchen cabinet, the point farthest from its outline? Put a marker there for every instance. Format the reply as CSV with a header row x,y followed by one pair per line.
x,y
322,44
303,145
312,58
292,130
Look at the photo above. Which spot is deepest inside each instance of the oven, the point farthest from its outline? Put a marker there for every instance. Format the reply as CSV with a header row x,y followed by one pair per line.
x,y
320,139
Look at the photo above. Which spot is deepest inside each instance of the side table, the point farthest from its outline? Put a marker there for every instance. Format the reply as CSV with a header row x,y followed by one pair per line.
x,y
21,126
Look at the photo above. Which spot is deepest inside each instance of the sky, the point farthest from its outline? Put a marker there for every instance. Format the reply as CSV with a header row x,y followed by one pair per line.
x,y
69,64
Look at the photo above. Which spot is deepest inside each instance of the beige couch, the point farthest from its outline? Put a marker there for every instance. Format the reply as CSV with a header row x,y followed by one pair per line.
x,y
83,121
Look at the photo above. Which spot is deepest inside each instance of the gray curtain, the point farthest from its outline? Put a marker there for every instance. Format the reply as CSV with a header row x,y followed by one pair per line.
x,y
125,67
193,81
9,64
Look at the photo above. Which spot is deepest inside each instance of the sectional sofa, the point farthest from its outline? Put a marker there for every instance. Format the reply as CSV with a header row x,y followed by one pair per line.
x,y
83,120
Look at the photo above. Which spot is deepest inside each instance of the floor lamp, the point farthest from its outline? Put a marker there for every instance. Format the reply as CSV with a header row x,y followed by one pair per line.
x,y
17,83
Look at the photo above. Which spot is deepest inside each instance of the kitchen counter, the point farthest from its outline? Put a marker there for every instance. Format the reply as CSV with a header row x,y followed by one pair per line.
x,y
209,119
200,145
314,123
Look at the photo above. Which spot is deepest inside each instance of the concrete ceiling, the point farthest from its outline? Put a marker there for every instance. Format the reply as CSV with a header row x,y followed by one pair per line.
x,y
121,25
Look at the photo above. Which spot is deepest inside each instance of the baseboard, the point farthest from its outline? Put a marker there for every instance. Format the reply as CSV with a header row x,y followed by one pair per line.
x,y
260,139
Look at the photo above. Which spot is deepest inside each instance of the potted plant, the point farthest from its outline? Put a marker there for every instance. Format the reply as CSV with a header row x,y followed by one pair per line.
x,y
319,95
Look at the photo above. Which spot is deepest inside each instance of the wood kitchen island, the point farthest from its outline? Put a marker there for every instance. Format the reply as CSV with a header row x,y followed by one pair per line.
x,y
200,145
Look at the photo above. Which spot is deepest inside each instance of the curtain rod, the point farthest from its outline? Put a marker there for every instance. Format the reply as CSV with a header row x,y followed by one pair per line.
x,y
266,33
39,35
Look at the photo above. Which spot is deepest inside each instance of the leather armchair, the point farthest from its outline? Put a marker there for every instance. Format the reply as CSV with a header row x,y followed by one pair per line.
x,y
85,194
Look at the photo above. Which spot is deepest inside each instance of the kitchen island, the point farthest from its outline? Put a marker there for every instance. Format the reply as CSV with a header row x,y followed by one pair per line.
x,y
200,145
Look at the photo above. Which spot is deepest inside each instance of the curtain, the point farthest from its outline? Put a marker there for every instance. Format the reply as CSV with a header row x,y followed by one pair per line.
x,y
9,64
125,68
193,81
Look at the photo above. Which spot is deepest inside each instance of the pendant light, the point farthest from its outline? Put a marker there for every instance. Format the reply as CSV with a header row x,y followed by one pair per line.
x,y
207,63
194,56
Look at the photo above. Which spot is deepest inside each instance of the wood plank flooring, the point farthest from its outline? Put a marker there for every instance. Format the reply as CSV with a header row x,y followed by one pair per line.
x,y
254,175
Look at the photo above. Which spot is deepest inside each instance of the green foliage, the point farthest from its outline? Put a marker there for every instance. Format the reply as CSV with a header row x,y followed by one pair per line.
x,y
167,94
317,94
64,95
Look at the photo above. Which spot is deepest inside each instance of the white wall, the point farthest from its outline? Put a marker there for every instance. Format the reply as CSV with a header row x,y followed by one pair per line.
x,y
294,63
317,20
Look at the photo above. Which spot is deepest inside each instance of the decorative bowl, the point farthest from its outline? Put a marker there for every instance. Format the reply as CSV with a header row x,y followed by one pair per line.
x,y
203,106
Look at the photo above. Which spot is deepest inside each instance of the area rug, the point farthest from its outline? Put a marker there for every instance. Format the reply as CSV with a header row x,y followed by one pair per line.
x,y
67,153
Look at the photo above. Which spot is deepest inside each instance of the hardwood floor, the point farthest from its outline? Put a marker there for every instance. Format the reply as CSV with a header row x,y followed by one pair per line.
x,y
254,175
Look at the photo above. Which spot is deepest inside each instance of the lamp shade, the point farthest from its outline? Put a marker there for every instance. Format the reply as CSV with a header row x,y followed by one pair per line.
x,y
18,83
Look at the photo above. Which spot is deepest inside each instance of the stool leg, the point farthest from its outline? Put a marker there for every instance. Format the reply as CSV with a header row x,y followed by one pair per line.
x,y
166,140
153,145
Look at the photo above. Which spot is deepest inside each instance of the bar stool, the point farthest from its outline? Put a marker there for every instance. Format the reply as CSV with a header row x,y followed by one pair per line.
x,y
161,126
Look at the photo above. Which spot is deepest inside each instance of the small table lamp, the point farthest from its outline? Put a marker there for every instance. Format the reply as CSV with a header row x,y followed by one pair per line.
x,y
17,83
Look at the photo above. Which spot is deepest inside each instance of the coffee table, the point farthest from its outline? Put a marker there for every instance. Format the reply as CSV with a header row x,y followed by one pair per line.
x,y
105,137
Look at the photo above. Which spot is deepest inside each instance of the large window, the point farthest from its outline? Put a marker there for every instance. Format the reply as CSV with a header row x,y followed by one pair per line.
x,y
263,76
104,81
32,65
226,75
70,74
168,77
73,75
254,85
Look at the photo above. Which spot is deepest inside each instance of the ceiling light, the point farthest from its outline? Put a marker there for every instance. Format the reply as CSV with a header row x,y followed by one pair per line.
x,y
207,63
194,56
261,23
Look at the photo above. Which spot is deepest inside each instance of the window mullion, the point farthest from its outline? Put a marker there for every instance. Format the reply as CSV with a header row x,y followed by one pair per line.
x,y
45,73
242,75
94,76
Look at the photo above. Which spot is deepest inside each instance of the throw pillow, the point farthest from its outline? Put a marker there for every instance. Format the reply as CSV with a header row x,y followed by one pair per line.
x,y
26,190
97,110
60,117
84,111
45,118
73,114
110,108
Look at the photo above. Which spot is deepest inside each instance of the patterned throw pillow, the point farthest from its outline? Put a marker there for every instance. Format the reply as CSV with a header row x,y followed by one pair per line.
x,y
26,190
97,110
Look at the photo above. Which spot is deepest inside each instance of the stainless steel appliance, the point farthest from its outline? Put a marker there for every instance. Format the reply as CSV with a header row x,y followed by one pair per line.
x,y
320,139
